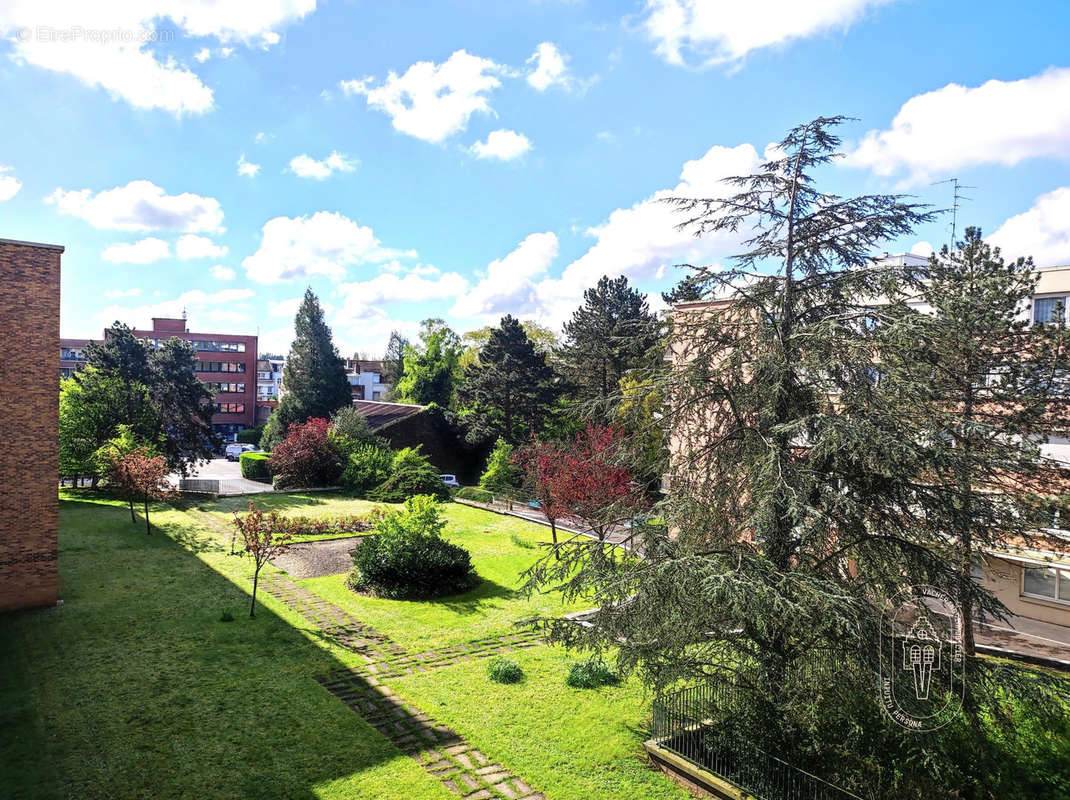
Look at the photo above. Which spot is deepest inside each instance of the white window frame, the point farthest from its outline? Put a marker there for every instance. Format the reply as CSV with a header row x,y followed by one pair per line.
x,y
1058,580
1063,298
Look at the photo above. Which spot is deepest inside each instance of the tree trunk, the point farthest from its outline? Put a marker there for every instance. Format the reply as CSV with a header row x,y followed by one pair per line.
x,y
133,519
148,528
553,533
256,579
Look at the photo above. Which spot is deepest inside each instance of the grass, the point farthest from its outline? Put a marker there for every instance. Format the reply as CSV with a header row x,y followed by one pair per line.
x,y
310,504
501,547
134,688
571,744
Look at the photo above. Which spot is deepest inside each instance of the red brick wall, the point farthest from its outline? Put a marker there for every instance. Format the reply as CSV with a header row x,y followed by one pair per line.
x,y
29,454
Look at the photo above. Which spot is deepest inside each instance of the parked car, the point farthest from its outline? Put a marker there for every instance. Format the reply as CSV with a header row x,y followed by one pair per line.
x,y
234,450
451,481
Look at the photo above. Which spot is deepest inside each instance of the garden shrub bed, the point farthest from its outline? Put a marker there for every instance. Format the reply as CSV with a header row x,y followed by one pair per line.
x,y
255,467
314,526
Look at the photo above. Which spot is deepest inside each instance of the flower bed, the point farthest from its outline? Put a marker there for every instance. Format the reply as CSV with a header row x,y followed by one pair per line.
x,y
326,526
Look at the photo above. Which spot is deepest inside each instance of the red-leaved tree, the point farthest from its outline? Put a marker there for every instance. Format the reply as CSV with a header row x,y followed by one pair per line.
x,y
264,538
306,457
140,475
541,462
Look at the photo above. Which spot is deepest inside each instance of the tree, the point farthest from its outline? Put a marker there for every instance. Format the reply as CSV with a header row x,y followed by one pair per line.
x,y
183,406
307,457
431,367
638,414
501,475
108,461
138,473
787,466
90,407
611,333
541,463
264,538
543,339
394,360
314,377
688,290
353,425
510,391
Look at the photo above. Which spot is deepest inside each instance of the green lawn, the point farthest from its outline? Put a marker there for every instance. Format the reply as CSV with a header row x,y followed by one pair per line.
x,y
135,688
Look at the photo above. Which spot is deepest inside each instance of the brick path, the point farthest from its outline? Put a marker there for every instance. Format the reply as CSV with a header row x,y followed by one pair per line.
x,y
460,767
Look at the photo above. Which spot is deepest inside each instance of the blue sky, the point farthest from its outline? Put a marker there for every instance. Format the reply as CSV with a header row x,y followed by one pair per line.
x,y
464,159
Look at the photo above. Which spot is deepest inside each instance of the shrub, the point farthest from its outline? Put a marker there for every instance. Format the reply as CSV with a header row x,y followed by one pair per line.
x,y
501,475
411,474
502,670
254,466
590,674
408,558
367,467
352,424
250,435
306,457
472,493
318,526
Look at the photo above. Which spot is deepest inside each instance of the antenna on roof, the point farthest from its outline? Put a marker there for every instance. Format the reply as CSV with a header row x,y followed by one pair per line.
x,y
183,312
957,198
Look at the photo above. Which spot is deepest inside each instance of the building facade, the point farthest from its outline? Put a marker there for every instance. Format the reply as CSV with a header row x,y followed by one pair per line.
x,y
29,463
366,380
226,364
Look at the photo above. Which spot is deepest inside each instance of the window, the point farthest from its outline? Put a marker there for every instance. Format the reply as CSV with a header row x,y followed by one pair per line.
x,y
220,366
218,347
227,388
71,354
229,408
1046,582
1049,309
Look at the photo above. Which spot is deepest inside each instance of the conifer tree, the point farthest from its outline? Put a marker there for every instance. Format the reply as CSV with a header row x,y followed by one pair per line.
x,y
611,333
314,378
509,391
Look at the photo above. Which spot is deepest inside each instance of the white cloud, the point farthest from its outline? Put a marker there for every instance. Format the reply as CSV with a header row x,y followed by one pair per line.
x,y
67,36
923,249
141,206
550,68
638,241
507,287
1042,232
325,243
433,101
114,293
262,137
304,166
721,32
247,169
196,303
999,122
219,272
202,55
191,246
9,184
145,251
370,331
502,144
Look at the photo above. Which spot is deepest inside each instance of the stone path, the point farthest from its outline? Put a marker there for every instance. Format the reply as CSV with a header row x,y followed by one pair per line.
x,y
460,767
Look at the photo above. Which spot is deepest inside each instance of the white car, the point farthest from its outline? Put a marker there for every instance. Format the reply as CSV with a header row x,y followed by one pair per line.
x,y
234,450
451,481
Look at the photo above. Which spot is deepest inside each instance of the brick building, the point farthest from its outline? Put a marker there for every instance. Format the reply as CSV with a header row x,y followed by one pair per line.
x,y
225,362
29,463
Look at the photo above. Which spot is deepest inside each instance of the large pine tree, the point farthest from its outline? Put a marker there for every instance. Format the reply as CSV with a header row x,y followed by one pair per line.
x,y
509,392
611,333
314,378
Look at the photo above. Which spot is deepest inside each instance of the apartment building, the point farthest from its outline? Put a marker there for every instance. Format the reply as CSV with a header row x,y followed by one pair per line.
x,y
1032,578
226,364
366,379
29,462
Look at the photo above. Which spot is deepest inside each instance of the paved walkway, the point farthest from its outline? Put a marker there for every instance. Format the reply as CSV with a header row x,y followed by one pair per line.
x,y
1052,649
444,754
316,559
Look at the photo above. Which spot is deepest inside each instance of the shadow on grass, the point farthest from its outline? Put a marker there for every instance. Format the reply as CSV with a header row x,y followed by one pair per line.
x,y
472,602
137,665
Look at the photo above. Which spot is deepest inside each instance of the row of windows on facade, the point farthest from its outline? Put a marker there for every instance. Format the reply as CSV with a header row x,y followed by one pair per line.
x,y
229,408
226,388
202,345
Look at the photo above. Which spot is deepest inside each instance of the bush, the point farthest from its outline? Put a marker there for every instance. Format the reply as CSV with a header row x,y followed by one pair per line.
x,y
250,435
306,457
590,674
254,466
411,474
501,475
502,670
408,558
477,495
367,467
352,424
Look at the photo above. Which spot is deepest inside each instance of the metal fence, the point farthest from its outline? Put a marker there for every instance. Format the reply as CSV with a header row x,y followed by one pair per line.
x,y
684,725
222,486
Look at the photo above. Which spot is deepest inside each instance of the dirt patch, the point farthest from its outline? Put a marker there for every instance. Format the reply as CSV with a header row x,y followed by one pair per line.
x,y
316,559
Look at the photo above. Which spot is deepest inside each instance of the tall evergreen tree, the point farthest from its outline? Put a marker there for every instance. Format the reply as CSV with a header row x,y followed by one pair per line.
x,y
394,358
508,393
314,378
431,367
611,333
183,406
688,290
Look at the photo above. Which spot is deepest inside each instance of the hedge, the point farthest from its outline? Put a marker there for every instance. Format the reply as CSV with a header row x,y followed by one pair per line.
x,y
474,493
254,466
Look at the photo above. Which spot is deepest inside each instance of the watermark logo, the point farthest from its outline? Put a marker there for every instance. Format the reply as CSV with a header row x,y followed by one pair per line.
x,y
922,666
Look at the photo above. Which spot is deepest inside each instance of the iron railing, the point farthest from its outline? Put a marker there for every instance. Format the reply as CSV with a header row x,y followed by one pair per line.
x,y
683,724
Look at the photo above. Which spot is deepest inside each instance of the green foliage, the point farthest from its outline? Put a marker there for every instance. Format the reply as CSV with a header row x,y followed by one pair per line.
x,y
90,413
509,391
590,674
250,435
314,375
521,542
255,466
502,475
502,670
431,367
353,425
124,442
277,424
474,493
410,474
367,467
408,558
